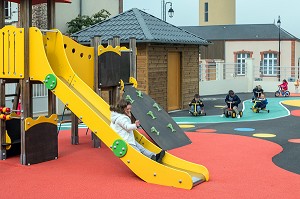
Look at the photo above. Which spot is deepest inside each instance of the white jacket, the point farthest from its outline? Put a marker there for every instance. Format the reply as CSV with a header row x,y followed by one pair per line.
x,y
121,123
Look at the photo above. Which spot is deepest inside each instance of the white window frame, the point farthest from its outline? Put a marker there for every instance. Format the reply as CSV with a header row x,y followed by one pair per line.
x,y
269,64
241,63
11,12
7,9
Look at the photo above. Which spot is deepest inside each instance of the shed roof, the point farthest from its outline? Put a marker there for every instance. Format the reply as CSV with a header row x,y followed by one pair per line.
x,y
240,32
141,25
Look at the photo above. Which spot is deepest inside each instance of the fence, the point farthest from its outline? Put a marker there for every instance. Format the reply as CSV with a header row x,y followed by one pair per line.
x,y
218,77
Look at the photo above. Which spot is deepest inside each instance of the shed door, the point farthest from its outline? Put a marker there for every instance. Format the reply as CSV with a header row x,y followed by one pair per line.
x,y
174,64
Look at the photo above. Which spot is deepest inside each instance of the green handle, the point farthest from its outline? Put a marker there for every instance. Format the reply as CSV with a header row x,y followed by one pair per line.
x,y
129,99
139,94
155,105
153,130
151,114
171,127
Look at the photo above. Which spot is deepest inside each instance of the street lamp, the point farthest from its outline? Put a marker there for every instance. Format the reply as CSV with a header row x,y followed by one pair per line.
x,y
279,24
170,11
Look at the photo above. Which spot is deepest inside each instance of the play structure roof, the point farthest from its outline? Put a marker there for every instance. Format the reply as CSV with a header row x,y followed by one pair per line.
x,y
240,32
43,1
141,25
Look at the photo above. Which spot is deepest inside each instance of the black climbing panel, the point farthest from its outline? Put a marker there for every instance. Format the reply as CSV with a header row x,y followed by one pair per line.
x,y
155,121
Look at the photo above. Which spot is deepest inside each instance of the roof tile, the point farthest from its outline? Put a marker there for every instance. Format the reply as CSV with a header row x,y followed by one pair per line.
x,y
141,25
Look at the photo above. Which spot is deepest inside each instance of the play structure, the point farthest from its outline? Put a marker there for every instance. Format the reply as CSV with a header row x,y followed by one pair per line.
x,y
65,68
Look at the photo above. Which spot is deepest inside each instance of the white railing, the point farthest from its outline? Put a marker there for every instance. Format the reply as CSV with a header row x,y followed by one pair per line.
x,y
219,77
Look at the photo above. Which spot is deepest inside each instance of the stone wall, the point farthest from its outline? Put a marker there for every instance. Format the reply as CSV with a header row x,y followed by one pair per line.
x,y
39,16
152,64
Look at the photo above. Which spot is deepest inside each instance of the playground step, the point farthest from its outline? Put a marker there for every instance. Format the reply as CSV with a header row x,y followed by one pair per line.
x,y
197,181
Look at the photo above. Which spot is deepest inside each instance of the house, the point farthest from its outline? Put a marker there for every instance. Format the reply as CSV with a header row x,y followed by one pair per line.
x,y
268,45
167,59
275,53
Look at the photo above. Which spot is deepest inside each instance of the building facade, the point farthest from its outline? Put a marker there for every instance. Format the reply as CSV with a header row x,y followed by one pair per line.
x,y
216,12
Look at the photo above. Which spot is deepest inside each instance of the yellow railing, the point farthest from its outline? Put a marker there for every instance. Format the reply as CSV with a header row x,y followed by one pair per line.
x,y
11,52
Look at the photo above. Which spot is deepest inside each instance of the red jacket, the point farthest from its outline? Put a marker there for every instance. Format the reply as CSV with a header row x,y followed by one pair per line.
x,y
284,85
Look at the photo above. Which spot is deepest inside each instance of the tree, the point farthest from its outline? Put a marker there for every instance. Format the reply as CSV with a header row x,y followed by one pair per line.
x,y
84,21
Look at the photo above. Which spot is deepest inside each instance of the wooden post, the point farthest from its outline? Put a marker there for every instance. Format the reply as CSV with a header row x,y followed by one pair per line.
x,y
2,14
51,25
2,122
74,129
115,92
95,42
26,22
2,93
132,46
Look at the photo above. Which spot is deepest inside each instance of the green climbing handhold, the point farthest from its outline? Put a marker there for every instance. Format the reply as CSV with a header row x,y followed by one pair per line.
x,y
153,130
151,114
119,148
155,105
50,81
129,99
139,93
171,127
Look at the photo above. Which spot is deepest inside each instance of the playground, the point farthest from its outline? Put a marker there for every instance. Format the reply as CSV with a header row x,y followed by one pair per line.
x,y
241,165
254,156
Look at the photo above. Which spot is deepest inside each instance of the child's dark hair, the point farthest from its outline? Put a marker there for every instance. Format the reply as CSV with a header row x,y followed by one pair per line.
x,y
119,108
196,96
284,80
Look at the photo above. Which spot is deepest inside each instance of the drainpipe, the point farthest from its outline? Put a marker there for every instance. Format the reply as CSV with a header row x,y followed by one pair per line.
x,y
80,8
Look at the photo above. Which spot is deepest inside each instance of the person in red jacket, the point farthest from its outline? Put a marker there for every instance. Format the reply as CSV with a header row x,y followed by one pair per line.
x,y
284,85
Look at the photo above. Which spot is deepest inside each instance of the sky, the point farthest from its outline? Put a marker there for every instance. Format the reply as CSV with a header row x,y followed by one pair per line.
x,y
186,12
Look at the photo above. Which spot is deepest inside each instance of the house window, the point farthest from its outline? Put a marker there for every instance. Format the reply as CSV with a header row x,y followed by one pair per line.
x,y
7,9
241,63
206,12
269,64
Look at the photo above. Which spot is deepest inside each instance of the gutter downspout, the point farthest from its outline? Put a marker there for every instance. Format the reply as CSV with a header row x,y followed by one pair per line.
x,y
80,8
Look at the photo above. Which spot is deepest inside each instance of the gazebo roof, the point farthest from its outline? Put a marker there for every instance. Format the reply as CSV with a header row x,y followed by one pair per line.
x,y
43,1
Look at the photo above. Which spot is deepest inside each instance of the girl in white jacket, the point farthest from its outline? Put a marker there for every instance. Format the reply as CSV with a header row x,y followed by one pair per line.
x,y
121,123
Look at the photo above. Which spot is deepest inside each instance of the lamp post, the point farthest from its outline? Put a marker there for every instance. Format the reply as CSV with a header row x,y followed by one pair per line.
x,y
279,24
170,11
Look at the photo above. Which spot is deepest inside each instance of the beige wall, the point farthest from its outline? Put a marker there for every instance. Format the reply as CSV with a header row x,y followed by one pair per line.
x,y
220,12
67,12
257,47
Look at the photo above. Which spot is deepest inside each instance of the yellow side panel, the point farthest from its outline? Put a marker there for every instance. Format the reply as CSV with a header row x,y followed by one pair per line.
x,y
29,122
12,52
81,59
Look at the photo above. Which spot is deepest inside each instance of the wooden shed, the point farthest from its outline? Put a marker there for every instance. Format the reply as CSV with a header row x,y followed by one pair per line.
x,y
167,56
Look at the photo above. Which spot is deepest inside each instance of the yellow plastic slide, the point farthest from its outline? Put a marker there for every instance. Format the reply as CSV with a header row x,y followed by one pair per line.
x,y
49,60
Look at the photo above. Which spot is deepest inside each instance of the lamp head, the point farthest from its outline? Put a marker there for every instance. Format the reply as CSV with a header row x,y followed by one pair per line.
x,y
171,12
278,21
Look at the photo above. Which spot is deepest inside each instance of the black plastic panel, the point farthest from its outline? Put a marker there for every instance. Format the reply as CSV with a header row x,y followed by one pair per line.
x,y
166,139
